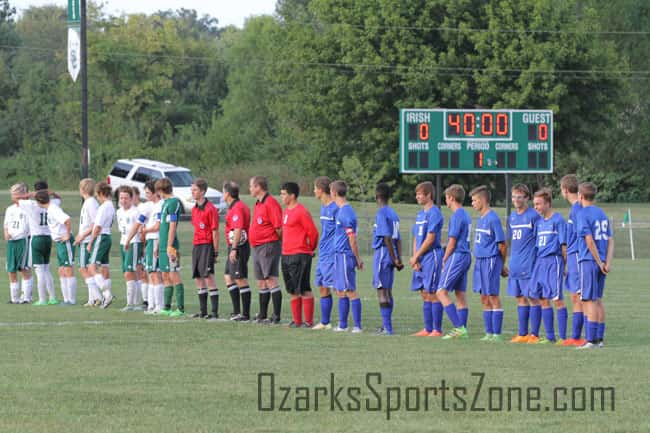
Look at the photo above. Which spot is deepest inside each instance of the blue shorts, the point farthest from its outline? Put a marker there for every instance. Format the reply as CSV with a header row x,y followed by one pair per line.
x,y
518,287
592,281
487,271
572,279
345,274
546,282
325,272
427,278
454,273
383,270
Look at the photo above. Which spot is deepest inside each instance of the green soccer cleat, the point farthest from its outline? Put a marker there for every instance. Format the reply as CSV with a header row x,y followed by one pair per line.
x,y
456,333
544,340
165,313
40,303
487,337
497,338
177,313
52,302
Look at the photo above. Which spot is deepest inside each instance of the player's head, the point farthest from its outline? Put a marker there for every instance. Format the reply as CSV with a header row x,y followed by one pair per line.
x,y
136,195
454,194
19,189
338,188
322,186
543,200
199,188
424,192
42,197
382,193
103,190
520,196
87,187
150,190
258,185
125,196
569,185
480,198
164,186
230,190
40,185
289,192
587,192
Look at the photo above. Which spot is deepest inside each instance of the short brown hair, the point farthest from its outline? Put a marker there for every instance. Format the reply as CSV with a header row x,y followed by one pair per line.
x,y
201,184
570,183
457,192
546,194
164,185
136,190
323,183
522,187
232,188
42,196
426,187
339,187
481,190
260,181
588,190
126,189
103,189
87,185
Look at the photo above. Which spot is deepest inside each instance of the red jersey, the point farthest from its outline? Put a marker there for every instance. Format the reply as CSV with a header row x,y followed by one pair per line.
x,y
299,233
267,217
238,217
205,219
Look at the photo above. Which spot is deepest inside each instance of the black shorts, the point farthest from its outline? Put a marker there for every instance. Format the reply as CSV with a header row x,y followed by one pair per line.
x,y
266,260
202,261
239,269
296,271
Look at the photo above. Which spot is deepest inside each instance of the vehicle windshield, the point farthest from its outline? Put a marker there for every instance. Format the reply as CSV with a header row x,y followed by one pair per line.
x,y
180,178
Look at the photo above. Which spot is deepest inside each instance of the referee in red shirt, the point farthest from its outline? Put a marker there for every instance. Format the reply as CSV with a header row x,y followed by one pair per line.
x,y
205,219
299,240
264,235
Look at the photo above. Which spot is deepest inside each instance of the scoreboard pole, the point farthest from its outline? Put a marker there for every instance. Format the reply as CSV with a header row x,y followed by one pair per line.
x,y
438,192
508,194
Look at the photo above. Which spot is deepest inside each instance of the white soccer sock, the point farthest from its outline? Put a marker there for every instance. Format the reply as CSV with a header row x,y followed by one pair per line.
x,y
131,292
137,294
151,296
27,289
144,291
14,291
51,290
41,282
160,296
107,289
72,290
64,288
92,290
99,286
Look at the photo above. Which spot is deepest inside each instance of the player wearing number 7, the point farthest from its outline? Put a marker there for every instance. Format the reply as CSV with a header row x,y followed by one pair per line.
x,y
595,253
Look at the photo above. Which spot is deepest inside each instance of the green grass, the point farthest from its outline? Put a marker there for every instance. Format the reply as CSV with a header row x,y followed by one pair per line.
x,y
78,370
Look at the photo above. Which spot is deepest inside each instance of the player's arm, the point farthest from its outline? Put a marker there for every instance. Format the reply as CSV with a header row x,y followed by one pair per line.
x,y
593,250
311,230
426,245
236,238
503,251
153,229
134,231
171,235
451,246
68,228
215,234
610,255
7,235
83,235
564,254
394,255
352,238
93,235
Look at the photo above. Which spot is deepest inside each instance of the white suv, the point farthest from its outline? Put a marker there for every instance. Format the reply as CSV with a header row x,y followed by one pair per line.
x,y
136,172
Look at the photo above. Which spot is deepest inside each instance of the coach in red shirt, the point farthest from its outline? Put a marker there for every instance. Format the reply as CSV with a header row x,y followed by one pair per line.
x,y
205,219
264,235
299,240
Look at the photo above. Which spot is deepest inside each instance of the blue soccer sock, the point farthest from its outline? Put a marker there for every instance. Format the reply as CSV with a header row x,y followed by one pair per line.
x,y
601,331
593,332
344,310
386,319
487,321
535,319
562,319
576,324
497,321
523,314
588,335
436,313
356,312
427,316
325,309
547,317
463,314
453,315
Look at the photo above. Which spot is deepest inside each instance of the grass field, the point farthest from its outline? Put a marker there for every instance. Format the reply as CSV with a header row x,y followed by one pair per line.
x,y
79,370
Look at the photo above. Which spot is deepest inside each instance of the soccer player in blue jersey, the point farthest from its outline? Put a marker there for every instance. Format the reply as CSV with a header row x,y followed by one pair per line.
x,y
388,250
569,187
455,263
520,230
490,252
595,253
325,266
346,259
426,260
546,282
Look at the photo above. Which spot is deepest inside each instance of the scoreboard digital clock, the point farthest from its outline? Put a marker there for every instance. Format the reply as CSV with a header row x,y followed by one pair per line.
x,y
476,141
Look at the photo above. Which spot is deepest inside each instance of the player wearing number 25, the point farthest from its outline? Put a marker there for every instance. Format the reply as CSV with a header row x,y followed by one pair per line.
x,y
595,253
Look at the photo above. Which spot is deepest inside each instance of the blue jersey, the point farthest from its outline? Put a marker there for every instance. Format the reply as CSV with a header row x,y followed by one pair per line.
x,y
428,221
328,227
488,235
572,229
593,221
346,222
551,235
386,224
520,229
460,227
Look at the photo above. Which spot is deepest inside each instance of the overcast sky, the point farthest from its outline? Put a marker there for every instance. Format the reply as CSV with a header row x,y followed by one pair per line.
x,y
226,11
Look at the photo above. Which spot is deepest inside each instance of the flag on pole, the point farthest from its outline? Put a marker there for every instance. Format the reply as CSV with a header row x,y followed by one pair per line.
x,y
626,218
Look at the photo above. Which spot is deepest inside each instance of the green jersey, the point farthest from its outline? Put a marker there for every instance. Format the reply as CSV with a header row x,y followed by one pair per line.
x,y
171,212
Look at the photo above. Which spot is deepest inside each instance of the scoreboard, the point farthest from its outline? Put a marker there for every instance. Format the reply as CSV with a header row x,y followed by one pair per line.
x,y
476,141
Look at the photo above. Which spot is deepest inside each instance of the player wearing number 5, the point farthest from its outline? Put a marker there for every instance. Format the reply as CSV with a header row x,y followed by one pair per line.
x,y
595,253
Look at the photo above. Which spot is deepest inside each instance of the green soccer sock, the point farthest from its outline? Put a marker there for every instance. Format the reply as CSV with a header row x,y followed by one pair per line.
x,y
169,293
180,296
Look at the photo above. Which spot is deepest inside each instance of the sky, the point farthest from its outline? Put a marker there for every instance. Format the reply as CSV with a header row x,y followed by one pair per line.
x,y
226,11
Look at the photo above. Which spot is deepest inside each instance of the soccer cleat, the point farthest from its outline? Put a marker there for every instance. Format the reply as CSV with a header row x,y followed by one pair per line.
x,y
150,312
322,326
165,312
544,340
211,317
199,316
89,304
357,330
456,333
261,320
25,301
242,319
294,325
53,302
533,339
422,333
587,345
579,342
177,313
559,342
235,317
65,304
275,320
339,329
97,303
435,333
519,339
381,332
569,342
39,303
107,302
487,337
601,344
126,309
497,338
307,325
138,308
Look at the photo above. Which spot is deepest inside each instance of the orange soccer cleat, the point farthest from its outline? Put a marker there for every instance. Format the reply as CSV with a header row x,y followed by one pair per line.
x,y
532,339
435,333
519,339
422,333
